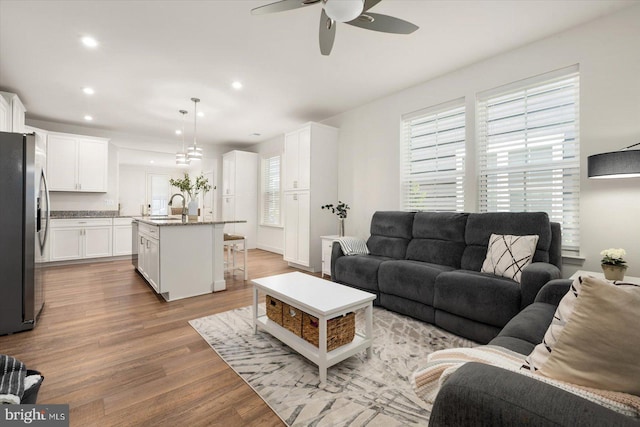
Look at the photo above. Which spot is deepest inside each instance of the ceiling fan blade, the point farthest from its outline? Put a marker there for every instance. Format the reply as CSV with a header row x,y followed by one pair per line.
x,y
368,4
383,23
281,6
327,33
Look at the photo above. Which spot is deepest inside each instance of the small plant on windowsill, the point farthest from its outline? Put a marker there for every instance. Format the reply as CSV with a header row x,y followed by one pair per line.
x,y
341,210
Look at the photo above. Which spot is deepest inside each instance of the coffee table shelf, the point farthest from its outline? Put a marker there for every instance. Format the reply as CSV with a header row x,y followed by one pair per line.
x,y
308,350
322,299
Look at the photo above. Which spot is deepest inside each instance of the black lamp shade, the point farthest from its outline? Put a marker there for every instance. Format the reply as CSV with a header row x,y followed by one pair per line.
x,y
617,164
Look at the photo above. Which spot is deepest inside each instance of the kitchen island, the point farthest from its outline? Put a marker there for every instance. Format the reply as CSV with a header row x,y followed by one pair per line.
x,y
180,259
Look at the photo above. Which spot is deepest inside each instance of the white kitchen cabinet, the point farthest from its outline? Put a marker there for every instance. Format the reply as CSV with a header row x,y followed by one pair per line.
x,y
77,163
13,111
310,176
73,239
297,146
5,115
122,236
240,194
296,226
149,254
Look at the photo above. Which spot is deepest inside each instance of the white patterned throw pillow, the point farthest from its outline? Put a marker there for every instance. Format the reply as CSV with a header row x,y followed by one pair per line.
x,y
508,255
540,354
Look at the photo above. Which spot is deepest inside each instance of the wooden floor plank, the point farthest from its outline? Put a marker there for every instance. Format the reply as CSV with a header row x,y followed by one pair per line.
x,y
119,354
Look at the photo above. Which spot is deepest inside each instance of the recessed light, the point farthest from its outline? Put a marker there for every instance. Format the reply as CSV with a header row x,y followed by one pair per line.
x,y
178,132
236,85
89,42
88,90
200,114
151,161
88,118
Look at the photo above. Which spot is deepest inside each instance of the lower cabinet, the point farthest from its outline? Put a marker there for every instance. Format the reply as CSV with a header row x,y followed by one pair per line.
x,y
122,236
80,238
296,228
149,255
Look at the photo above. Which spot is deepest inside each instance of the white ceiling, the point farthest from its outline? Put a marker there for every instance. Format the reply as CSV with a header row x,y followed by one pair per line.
x,y
155,55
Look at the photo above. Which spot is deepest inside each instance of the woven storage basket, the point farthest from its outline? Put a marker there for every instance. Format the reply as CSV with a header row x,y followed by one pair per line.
x,y
292,319
274,309
340,330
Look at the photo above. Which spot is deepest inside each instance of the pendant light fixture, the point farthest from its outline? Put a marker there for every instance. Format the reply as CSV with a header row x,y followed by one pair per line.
x,y
195,152
181,156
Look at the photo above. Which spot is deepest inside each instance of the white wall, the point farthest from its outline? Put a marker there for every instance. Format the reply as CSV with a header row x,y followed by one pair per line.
x,y
269,238
607,52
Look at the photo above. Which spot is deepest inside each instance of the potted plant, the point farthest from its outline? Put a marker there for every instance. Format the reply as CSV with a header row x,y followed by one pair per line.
x,y
341,210
613,263
190,190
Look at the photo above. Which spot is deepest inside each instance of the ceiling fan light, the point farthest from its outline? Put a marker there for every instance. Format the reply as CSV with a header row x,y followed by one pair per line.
x,y
343,10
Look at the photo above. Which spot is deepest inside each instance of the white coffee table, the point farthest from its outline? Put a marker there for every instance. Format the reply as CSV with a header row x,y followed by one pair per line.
x,y
322,299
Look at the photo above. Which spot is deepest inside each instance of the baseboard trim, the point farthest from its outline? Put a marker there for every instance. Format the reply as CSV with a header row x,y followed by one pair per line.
x,y
270,249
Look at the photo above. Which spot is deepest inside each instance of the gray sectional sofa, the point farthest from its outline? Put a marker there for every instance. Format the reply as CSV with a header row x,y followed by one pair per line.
x,y
427,265
484,395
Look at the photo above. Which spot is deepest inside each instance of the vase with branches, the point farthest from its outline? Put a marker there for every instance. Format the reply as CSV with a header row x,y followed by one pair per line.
x,y
341,211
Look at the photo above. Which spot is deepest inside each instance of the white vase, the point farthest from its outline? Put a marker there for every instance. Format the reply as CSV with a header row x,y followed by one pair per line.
x,y
193,208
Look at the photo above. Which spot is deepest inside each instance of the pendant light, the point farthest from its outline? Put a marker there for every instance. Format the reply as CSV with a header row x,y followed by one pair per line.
x,y
195,152
181,156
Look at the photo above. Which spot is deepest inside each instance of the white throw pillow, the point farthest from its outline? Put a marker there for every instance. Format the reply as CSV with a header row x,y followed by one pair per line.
x,y
540,354
599,347
508,255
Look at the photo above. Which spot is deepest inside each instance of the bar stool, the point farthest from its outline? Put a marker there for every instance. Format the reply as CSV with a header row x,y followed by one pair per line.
x,y
231,244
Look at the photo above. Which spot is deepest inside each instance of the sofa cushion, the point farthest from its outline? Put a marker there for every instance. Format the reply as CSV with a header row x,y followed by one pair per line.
x,y
438,238
508,255
390,234
358,270
486,298
412,280
480,227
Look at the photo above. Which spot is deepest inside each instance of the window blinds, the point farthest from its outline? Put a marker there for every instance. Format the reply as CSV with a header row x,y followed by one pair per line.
x,y
433,158
529,151
271,191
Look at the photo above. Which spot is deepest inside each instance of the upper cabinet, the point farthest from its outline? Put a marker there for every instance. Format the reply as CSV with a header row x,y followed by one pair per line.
x,y
297,168
77,163
11,113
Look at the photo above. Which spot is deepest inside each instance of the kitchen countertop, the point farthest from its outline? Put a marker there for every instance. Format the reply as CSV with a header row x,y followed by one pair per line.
x,y
176,220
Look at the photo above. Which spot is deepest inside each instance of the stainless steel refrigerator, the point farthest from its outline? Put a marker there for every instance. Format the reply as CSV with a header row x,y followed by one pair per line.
x,y
24,228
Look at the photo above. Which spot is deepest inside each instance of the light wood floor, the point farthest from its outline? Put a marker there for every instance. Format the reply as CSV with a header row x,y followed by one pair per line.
x,y
118,354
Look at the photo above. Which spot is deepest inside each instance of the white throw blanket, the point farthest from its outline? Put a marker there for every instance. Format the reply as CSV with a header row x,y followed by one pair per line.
x,y
442,364
353,246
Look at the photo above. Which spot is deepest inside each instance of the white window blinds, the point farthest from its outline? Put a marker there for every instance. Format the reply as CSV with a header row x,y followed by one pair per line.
x,y
271,191
432,158
529,151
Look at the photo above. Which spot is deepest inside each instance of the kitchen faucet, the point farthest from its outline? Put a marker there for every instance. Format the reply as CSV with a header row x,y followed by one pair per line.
x,y
184,208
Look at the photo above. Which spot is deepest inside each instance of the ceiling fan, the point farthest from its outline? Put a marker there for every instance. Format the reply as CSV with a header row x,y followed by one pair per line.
x,y
352,12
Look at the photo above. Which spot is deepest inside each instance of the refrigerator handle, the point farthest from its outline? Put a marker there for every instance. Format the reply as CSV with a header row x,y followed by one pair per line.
x,y
46,193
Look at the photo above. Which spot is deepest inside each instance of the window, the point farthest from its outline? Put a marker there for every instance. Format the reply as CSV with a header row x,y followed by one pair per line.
x,y
528,150
432,159
271,191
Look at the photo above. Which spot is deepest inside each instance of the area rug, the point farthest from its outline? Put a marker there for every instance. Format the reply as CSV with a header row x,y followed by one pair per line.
x,y
359,391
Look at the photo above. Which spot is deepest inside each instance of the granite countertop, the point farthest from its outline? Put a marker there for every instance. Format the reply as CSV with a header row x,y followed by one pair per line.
x,y
177,220
87,214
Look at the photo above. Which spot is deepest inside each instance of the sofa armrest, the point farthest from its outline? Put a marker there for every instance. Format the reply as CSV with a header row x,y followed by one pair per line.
x,y
534,277
336,252
484,395
553,291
